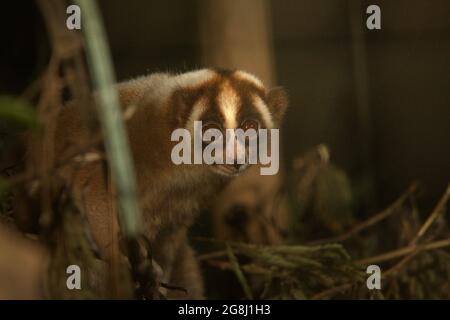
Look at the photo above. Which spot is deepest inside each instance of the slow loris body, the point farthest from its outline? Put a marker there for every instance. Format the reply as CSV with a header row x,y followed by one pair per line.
x,y
170,194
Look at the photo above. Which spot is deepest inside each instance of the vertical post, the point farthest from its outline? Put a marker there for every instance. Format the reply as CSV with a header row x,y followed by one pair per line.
x,y
363,111
237,35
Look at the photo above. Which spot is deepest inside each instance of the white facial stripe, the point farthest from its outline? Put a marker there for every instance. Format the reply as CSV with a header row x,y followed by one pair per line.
x,y
249,77
197,111
263,110
228,104
195,78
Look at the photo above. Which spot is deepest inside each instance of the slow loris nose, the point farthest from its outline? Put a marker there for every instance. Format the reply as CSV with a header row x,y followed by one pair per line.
x,y
235,150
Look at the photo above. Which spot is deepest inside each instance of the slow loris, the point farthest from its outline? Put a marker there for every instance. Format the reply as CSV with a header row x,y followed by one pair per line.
x,y
170,194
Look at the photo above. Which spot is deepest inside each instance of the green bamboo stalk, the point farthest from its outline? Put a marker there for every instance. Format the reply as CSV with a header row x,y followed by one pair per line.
x,y
117,148
238,272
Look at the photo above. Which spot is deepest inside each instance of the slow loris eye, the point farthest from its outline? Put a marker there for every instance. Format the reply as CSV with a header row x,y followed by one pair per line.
x,y
250,124
207,126
210,125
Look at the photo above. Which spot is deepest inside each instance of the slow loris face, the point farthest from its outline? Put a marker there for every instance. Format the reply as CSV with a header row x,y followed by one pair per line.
x,y
227,110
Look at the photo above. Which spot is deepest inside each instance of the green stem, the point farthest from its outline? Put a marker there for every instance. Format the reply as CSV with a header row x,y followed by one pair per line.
x,y
239,274
117,147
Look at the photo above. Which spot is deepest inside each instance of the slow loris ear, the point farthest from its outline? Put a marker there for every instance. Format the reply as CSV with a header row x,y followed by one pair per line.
x,y
277,101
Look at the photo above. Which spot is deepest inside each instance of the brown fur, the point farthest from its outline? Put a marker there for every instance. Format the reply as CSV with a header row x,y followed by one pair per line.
x,y
170,196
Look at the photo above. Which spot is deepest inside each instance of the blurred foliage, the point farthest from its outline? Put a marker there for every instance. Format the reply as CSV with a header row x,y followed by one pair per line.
x,y
71,243
428,277
326,249
327,208
297,272
16,116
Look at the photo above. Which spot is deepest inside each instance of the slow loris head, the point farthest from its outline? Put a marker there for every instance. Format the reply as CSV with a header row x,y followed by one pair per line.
x,y
224,101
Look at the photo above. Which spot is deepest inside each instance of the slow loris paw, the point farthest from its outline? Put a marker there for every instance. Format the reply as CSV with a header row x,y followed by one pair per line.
x,y
146,272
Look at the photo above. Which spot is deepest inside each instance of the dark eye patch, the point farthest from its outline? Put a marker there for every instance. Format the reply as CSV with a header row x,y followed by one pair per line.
x,y
250,124
250,113
212,118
